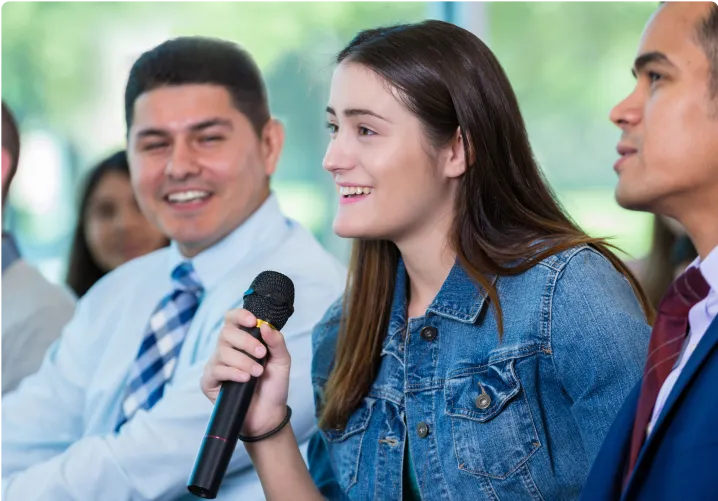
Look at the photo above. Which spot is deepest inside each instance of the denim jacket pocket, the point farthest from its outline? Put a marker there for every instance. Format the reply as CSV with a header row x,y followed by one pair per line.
x,y
345,445
491,423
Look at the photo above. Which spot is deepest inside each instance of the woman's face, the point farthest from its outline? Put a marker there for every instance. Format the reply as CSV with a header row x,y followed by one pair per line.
x,y
392,184
115,229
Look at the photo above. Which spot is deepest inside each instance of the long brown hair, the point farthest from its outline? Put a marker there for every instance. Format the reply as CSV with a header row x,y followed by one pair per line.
x,y
504,210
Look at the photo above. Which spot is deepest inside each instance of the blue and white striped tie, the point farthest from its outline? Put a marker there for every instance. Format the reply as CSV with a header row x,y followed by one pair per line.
x,y
158,354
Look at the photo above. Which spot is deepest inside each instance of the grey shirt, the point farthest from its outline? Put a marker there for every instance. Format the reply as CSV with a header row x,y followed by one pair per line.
x,y
34,311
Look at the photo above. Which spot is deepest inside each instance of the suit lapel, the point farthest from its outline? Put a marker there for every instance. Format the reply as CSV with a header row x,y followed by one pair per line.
x,y
695,362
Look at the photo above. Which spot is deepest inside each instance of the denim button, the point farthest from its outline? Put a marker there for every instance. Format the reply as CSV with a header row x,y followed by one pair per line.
x,y
422,429
429,333
483,401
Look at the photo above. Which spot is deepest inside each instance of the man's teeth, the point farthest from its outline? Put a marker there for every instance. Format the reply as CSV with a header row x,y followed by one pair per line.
x,y
345,191
187,196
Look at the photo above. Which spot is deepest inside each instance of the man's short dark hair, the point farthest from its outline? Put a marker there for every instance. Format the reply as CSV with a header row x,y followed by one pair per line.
x,y
200,60
10,142
707,36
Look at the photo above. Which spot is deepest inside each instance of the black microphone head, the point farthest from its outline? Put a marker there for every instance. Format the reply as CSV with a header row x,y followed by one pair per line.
x,y
271,298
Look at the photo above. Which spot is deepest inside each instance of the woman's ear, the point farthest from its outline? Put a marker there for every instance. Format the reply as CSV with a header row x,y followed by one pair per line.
x,y
455,164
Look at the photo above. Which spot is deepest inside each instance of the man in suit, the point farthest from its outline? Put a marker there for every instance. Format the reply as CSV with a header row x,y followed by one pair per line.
x,y
665,438
34,311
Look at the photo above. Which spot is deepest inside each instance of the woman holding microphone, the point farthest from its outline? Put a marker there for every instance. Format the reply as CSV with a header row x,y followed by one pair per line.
x,y
484,343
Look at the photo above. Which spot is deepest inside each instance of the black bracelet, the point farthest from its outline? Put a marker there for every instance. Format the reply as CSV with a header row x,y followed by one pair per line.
x,y
269,433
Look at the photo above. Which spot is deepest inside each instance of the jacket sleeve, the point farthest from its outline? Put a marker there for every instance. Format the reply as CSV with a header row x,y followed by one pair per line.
x,y
599,337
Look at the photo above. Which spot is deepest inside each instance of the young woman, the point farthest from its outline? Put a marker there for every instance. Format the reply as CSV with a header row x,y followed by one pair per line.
x,y
484,342
110,229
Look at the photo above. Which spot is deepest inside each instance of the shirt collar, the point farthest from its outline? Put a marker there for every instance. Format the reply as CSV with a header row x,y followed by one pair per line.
x,y
10,252
709,268
212,264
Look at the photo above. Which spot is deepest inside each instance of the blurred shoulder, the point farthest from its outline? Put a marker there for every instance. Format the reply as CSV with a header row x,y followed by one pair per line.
x,y
303,252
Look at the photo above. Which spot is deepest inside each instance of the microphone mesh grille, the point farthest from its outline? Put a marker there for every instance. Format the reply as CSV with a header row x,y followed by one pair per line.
x,y
271,298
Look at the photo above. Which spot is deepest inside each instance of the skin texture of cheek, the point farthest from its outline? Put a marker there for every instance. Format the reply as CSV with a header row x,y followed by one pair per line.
x,y
676,151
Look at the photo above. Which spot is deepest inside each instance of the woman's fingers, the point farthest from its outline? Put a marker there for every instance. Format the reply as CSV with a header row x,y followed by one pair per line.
x,y
238,339
230,357
240,317
277,346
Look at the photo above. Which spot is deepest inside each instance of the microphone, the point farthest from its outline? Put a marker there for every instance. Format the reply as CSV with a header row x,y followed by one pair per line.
x,y
270,298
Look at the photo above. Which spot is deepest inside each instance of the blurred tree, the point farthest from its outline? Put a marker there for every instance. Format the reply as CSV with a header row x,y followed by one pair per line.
x,y
50,50
569,63
64,66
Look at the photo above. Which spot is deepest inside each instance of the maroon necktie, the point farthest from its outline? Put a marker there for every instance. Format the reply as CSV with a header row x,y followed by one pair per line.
x,y
669,333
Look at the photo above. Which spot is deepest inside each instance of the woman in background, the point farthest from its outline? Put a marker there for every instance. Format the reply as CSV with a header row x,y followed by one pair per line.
x,y
110,229
671,253
484,343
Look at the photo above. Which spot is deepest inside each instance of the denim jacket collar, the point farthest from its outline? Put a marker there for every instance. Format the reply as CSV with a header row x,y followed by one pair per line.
x,y
459,298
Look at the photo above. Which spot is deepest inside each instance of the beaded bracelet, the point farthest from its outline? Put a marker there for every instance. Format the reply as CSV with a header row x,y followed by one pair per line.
x,y
271,432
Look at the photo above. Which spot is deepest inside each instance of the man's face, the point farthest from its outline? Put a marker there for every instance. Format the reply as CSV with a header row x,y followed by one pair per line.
x,y
198,168
669,144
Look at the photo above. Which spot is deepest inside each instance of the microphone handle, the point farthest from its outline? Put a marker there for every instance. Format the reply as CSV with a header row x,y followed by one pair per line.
x,y
223,431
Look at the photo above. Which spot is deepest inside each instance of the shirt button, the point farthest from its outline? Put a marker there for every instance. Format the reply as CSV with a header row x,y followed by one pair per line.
x,y
422,429
429,333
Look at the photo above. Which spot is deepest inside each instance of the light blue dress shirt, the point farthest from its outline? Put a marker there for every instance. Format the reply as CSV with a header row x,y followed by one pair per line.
x,y
57,428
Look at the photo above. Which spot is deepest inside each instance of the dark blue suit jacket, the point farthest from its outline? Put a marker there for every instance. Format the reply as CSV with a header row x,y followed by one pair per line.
x,y
679,461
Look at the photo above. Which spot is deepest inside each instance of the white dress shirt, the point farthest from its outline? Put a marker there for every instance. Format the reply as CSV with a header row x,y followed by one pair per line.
x,y
58,441
700,318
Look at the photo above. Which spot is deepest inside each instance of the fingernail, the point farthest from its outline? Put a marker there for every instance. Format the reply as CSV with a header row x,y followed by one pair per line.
x,y
256,370
259,351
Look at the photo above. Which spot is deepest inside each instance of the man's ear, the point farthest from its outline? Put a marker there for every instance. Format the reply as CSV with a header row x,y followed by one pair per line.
x,y
271,144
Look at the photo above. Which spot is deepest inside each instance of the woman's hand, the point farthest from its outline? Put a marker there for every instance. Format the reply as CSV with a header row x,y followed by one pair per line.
x,y
228,363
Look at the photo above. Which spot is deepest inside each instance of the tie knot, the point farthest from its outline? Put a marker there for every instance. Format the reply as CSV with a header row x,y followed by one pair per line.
x,y
185,278
687,290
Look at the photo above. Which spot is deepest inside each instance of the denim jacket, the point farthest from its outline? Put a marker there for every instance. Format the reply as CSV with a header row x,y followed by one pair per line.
x,y
483,419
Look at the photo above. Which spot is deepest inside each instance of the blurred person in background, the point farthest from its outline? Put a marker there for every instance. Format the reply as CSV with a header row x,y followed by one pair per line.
x,y
111,228
663,444
671,253
34,311
484,342
116,412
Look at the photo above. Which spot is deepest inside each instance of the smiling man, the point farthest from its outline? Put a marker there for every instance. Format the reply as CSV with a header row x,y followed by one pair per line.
x,y
116,412
663,443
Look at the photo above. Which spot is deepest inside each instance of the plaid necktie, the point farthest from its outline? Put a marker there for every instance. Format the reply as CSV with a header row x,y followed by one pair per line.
x,y
157,357
667,338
